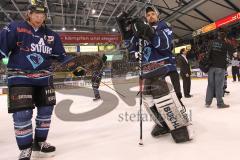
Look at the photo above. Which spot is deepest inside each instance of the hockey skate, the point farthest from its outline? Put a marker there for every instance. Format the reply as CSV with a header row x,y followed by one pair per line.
x,y
223,106
43,150
25,154
97,98
226,92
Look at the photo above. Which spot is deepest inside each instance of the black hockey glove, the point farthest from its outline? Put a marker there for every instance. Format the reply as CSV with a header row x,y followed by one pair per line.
x,y
79,71
142,29
104,58
124,24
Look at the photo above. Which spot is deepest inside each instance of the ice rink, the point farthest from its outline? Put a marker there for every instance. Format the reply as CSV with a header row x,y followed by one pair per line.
x,y
109,129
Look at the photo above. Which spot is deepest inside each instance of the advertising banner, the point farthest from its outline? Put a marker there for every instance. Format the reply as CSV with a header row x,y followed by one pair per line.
x,y
75,38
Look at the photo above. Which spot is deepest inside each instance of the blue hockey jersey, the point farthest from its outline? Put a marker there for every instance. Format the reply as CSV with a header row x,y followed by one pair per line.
x,y
30,51
157,54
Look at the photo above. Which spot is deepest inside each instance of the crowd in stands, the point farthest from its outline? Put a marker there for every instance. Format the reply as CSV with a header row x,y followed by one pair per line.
x,y
199,46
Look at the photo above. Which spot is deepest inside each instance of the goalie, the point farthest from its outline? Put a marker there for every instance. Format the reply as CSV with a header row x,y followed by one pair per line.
x,y
159,98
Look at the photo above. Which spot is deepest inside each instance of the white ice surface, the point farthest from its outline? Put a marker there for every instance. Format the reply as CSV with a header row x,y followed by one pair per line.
x,y
217,131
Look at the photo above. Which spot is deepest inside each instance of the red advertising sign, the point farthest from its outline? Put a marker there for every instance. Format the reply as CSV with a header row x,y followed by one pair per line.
x,y
219,23
75,38
208,28
229,19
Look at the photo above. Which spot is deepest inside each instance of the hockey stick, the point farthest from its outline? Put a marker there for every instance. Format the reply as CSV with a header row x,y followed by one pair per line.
x,y
141,88
113,89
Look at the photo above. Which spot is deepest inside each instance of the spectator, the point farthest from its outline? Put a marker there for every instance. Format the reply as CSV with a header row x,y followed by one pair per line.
x,y
235,67
217,51
185,72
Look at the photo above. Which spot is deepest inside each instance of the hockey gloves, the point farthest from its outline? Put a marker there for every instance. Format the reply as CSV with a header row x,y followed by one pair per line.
x,y
124,24
142,29
79,71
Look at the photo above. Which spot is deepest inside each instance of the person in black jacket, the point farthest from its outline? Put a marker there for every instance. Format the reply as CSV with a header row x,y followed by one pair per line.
x,y
185,72
218,50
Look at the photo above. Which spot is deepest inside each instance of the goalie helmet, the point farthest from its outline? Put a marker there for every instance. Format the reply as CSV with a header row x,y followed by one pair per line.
x,y
37,6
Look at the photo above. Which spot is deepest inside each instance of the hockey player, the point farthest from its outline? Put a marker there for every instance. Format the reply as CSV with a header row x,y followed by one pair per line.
x,y
159,99
31,46
97,69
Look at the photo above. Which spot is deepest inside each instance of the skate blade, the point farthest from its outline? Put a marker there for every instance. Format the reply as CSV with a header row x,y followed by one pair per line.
x,y
36,155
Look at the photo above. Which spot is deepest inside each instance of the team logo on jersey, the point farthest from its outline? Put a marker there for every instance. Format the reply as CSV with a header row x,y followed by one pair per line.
x,y
35,59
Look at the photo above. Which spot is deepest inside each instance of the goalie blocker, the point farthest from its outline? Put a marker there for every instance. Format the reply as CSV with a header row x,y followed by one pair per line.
x,y
134,26
166,110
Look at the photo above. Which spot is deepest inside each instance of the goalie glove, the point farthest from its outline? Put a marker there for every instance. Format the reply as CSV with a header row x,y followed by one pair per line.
x,y
142,29
104,58
124,24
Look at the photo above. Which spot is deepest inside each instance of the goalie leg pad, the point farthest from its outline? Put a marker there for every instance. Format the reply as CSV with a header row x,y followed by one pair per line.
x,y
169,106
160,126
20,98
152,110
148,101
149,105
169,112
182,134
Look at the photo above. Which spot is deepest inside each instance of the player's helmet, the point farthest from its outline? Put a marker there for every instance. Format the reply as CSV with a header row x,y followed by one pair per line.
x,y
37,6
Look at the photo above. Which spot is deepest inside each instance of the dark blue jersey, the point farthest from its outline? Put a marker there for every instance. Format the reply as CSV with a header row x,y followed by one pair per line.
x,y
30,51
159,48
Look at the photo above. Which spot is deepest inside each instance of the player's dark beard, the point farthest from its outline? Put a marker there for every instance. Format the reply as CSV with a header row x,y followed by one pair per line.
x,y
153,23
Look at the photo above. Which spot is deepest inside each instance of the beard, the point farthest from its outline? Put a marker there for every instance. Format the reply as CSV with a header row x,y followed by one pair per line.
x,y
153,23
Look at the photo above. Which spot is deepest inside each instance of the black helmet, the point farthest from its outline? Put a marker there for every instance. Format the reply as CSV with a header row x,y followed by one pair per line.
x,y
37,6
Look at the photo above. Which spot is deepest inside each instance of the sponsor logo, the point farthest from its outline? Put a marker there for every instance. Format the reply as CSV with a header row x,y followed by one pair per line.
x,y
52,98
45,125
24,30
37,75
25,49
19,97
24,132
153,66
49,91
36,36
171,117
41,47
